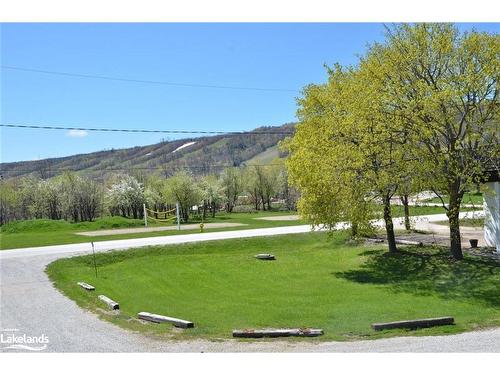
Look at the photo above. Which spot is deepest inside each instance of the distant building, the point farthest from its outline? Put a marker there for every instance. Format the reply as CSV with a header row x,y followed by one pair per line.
x,y
492,209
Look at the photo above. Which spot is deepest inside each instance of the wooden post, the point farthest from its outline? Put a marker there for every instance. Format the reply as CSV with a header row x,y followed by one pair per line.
x,y
145,215
178,215
93,255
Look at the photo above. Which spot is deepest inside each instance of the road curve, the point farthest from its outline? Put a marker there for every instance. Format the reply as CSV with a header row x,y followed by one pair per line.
x,y
32,306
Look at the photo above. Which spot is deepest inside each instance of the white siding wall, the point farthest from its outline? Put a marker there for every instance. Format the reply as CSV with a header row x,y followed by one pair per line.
x,y
492,215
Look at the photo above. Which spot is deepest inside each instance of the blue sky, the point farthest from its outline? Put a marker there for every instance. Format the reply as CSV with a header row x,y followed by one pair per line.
x,y
286,56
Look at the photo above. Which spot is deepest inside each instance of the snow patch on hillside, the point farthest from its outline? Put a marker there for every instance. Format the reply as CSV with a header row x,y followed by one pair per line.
x,y
184,146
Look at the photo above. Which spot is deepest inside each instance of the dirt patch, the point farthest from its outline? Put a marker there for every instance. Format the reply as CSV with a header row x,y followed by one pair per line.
x,y
440,239
108,312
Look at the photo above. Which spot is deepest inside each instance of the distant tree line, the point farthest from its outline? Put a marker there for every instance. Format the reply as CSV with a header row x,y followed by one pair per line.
x,y
75,198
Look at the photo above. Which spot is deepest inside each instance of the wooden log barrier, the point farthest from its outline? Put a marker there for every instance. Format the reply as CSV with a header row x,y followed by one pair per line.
x,y
108,301
413,324
85,285
375,240
281,332
265,256
408,242
165,319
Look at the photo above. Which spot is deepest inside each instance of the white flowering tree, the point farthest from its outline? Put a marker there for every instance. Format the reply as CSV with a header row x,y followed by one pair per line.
x,y
182,188
126,197
212,193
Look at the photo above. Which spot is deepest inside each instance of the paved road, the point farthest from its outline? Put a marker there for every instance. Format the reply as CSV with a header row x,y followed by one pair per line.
x,y
111,232
81,248
30,304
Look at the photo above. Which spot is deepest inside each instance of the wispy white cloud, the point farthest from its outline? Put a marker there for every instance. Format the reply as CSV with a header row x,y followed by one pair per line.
x,y
77,133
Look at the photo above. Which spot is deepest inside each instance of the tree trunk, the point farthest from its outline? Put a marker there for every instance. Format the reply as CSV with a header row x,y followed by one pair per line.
x,y
406,207
354,229
453,219
389,226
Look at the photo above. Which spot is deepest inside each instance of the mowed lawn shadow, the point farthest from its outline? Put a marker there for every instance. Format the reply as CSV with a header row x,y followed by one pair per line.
x,y
431,271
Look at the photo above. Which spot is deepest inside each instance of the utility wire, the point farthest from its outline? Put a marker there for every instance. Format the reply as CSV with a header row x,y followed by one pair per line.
x,y
166,83
46,127
159,168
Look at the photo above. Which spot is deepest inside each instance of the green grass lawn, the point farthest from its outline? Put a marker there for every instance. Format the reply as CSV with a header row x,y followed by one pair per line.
x,y
469,198
398,211
477,222
317,281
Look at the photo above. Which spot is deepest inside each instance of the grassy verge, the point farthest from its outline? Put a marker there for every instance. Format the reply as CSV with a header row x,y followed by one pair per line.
x,y
468,222
316,281
469,198
398,211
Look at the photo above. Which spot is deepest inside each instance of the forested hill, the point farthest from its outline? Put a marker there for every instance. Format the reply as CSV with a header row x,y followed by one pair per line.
x,y
201,155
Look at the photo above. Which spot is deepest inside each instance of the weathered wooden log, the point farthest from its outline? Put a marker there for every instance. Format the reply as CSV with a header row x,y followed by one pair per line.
x,y
375,240
408,242
108,301
85,285
165,319
279,332
265,256
413,324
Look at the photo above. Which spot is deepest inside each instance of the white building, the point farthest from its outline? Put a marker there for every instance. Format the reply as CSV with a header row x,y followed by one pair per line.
x,y
492,210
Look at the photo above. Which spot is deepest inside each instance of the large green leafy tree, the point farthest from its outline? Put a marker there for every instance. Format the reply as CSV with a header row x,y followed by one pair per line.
x,y
212,193
421,110
444,85
347,152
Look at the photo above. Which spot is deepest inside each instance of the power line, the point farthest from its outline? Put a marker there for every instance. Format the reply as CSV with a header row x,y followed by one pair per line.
x,y
166,83
220,132
48,168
